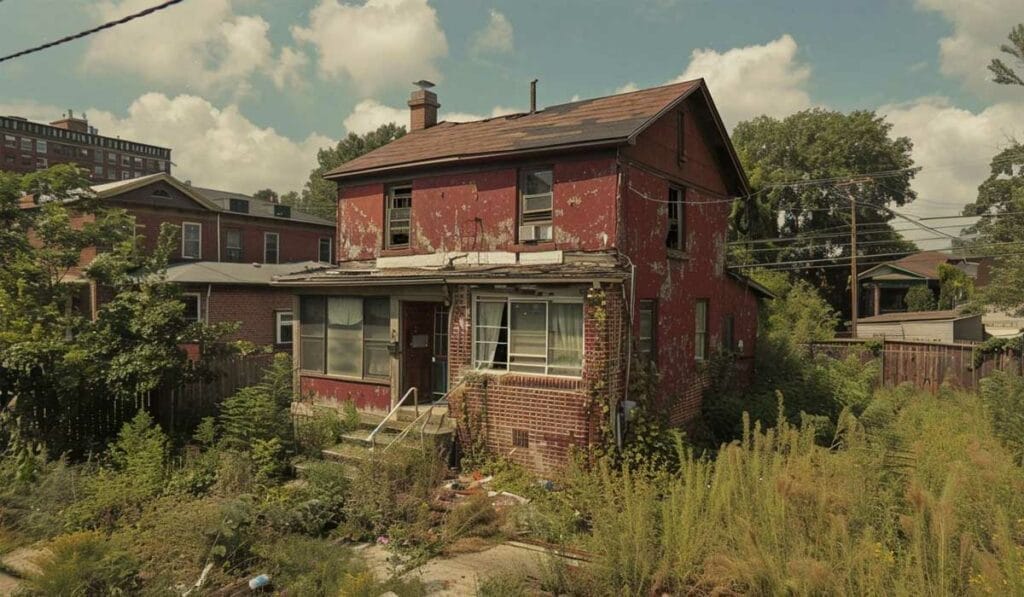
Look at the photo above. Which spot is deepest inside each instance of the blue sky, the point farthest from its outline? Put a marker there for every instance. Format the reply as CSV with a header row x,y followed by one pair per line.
x,y
246,90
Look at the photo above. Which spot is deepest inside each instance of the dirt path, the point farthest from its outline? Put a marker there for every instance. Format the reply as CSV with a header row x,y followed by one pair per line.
x,y
459,575
20,561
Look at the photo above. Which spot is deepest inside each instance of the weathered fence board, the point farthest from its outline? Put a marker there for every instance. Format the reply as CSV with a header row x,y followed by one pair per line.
x,y
926,365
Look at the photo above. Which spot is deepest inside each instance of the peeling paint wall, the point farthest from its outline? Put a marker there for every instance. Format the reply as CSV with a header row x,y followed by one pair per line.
x,y
476,211
677,280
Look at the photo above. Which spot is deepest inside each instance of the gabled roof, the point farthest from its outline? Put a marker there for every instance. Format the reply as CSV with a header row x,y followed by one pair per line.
x,y
951,315
592,123
111,189
923,264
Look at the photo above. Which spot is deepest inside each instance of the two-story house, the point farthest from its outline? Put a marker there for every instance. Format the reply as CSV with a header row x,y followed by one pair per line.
x,y
516,267
228,249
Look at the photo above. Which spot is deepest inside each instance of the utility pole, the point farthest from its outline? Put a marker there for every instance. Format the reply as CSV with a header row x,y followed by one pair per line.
x,y
853,263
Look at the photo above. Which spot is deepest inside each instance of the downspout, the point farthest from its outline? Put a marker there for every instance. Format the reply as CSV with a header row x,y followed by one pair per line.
x,y
209,290
629,341
218,236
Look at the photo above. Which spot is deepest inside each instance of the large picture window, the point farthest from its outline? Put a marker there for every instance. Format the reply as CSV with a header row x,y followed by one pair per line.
x,y
346,336
528,336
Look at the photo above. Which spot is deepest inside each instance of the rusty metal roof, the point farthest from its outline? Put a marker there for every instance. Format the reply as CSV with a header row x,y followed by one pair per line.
x,y
592,122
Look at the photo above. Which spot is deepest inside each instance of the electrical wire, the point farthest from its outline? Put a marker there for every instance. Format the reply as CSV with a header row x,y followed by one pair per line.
x,y
87,32
871,256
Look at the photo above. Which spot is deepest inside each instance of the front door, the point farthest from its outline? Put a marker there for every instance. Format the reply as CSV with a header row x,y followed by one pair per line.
x,y
418,348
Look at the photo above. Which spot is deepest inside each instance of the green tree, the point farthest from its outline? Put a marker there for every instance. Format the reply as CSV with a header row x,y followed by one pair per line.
x,y
920,298
798,314
1003,73
812,217
266,195
956,288
67,369
320,196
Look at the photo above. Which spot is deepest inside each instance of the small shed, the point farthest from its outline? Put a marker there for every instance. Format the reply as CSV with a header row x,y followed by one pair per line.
x,y
926,326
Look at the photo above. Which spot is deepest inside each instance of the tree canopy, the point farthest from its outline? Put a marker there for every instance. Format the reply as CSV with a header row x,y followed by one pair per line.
x,y
810,219
320,197
1003,73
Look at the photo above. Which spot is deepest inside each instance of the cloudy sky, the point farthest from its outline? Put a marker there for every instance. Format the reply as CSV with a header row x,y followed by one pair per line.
x,y
245,91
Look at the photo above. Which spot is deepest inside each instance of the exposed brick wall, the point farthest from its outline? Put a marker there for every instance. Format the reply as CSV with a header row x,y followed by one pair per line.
x,y
557,414
253,307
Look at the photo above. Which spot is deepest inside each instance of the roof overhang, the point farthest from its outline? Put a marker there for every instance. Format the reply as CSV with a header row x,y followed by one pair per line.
x,y
753,284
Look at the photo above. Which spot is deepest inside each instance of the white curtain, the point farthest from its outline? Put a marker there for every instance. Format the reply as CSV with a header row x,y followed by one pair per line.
x,y
565,345
488,331
345,336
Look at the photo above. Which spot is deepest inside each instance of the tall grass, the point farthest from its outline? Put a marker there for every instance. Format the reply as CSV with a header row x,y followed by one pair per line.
x,y
917,496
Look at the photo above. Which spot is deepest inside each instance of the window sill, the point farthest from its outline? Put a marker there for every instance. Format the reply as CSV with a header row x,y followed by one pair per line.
x,y
535,247
397,252
531,380
678,255
346,378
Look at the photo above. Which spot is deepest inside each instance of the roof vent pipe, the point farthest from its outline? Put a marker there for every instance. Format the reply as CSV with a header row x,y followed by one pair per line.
x,y
533,96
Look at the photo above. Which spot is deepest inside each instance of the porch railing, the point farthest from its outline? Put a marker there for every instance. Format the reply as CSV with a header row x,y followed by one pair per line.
x,y
412,392
426,418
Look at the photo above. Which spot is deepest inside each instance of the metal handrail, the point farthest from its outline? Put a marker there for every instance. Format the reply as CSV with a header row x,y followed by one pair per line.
x,y
426,413
376,430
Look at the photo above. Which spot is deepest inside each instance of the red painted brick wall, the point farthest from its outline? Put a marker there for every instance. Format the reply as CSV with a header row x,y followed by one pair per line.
x,y
253,307
366,396
476,211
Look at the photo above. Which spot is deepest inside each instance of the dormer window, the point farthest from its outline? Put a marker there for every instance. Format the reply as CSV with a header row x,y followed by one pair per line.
x,y
535,199
282,211
239,206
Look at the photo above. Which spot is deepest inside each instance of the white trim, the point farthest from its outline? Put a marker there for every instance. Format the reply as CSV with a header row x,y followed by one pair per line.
x,y
277,325
200,252
199,304
277,247
509,299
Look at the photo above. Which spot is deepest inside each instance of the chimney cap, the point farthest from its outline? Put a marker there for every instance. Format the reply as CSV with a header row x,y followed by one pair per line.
x,y
423,84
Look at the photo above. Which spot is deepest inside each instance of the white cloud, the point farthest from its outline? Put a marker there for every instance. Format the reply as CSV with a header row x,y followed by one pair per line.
x,y
287,72
370,114
215,147
496,38
953,146
378,44
200,45
753,80
627,88
979,28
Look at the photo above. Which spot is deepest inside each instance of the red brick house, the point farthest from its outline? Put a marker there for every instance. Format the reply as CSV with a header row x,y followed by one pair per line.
x,y
229,248
523,261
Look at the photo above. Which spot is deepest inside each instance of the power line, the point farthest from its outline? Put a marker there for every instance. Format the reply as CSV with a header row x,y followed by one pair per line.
x,y
875,255
869,262
87,32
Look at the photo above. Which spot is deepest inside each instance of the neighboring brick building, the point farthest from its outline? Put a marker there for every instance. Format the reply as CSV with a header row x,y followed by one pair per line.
x,y
523,260
27,146
229,248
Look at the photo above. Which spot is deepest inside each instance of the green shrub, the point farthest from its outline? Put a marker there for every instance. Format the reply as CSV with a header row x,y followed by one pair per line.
x,y
84,563
503,584
1003,395
920,298
325,427
313,506
262,411
307,566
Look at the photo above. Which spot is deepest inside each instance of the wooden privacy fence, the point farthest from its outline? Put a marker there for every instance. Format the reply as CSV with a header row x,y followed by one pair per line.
x,y
180,408
926,365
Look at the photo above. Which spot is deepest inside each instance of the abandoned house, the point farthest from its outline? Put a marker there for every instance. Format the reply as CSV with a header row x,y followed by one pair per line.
x,y
513,268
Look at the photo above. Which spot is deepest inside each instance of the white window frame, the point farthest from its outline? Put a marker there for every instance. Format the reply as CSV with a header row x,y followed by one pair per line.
x,y
41,146
325,336
527,217
199,305
277,247
278,324
199,251
227,244
330,250
509,299
27,144
700,329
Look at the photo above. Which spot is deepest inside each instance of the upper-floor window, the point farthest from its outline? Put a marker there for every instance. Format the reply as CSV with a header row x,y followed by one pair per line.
x,y
238,205
700,329
729,333
125,175
26,144
10,141
398,216
97,156
111,157
126,161
646,347
137,161
191,240
40,146
271,247
233,244
676,237
528,335
324,250
680,137
98,171
535,198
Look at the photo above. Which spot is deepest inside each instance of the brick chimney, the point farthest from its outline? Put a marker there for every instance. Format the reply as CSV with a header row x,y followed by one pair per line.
x,y
423,107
